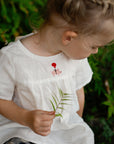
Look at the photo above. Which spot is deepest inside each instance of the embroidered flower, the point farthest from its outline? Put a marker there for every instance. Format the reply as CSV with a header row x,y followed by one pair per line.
x,y
56,71
54,65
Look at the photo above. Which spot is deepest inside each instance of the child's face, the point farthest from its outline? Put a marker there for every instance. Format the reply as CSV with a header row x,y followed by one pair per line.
x,y
83,47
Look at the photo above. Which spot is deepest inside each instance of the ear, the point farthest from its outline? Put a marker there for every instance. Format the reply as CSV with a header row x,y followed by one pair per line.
x,y
68,36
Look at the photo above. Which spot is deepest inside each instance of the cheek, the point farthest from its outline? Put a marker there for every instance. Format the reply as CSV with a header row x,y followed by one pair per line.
x,y
82,52
77,51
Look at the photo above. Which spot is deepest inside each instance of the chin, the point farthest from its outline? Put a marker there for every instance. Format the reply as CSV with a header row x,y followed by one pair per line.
x,y
78,58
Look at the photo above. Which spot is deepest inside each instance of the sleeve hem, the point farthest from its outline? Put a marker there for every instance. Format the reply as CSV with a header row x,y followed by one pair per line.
x,y
85,82
5,98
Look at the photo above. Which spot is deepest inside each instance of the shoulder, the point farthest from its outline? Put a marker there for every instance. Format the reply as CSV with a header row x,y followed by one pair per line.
x,y
6,50
81,62
11,52
14,48
7,53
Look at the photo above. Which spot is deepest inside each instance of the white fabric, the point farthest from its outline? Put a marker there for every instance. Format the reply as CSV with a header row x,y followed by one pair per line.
x,y
27,79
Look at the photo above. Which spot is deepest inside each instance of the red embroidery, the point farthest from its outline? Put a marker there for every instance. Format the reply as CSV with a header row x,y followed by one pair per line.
x,y
54,65
56,71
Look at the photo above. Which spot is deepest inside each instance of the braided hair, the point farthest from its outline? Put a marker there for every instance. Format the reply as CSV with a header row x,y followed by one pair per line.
x,y
105,4
82,15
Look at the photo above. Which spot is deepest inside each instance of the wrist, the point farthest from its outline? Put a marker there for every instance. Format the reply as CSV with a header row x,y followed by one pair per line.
x,y
25,117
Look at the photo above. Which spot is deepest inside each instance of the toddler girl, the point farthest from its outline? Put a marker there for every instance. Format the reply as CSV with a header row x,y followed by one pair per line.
x,y
42,75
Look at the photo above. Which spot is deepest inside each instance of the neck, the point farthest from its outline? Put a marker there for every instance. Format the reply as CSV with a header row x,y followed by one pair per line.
x,y
47,42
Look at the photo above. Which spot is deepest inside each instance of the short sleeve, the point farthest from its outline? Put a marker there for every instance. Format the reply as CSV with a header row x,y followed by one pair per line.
x,y
7,76
83,73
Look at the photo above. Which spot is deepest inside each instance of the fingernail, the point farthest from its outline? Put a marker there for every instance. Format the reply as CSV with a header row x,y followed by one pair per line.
x,y
52,112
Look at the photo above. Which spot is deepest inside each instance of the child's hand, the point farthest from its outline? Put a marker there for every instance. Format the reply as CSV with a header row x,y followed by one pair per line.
x,y
40,121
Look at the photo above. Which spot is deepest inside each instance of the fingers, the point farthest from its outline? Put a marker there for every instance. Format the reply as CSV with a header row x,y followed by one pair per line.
x,y
47,113
47,116
44,133
44,129
41,121
46,123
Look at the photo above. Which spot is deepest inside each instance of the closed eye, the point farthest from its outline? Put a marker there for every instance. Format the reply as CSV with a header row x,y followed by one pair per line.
x,y
94,47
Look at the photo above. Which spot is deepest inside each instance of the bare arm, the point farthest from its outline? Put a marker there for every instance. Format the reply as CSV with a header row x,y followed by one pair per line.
x,y
39,121
81,100
11,111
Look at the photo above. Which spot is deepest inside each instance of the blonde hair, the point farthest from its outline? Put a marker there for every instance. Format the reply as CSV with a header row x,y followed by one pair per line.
x,y
84,16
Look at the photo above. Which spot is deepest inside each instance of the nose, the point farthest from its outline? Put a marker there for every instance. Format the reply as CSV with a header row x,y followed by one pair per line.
x,y
95,51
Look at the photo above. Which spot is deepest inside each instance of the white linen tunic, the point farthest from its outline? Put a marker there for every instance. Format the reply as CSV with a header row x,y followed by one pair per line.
x,y
31,80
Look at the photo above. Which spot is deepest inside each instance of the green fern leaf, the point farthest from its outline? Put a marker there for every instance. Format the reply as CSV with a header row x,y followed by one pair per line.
x,y
61,93
56,97
58,103
64,103
53,105
65,99
61,108
54,100
66,94
57,115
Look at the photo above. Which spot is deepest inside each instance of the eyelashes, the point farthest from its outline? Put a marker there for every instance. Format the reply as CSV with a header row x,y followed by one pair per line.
x,y
94,48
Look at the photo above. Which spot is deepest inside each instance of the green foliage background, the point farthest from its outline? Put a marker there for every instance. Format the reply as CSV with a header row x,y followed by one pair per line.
x,y
16,17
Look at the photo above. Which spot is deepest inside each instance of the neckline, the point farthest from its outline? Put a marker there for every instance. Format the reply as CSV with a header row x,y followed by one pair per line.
x,y
29,53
